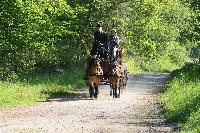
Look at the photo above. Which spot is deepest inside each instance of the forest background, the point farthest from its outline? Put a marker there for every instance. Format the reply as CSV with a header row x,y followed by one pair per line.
x,y
44,35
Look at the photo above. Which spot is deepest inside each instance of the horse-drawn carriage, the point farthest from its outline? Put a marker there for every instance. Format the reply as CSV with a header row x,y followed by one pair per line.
x,y
106,71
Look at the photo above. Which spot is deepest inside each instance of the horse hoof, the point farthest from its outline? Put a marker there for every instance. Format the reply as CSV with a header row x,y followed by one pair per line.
x,y
110,93
95,96
92,98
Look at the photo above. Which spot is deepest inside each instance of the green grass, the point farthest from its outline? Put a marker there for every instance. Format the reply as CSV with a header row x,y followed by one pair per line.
x,y
31,89
181,98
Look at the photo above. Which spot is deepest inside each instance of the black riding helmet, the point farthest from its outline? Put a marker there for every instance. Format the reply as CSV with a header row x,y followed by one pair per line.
x,y
99,24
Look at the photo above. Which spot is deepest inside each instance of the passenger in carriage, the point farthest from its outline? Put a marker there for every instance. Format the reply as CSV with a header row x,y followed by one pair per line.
x,y
113,45
100,42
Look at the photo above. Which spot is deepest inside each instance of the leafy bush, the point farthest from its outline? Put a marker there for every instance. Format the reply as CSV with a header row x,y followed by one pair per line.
x,y
181,97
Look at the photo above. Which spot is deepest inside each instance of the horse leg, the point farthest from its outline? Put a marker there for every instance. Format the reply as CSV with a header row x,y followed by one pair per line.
x,y
114,91
111,89
91,91
96,91
119,90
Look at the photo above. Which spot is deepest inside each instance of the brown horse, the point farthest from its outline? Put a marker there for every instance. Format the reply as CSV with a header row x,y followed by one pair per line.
x,y
117,75
94,73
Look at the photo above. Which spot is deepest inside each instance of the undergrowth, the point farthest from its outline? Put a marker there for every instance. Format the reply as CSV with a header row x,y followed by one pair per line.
x,y
30,89
181,98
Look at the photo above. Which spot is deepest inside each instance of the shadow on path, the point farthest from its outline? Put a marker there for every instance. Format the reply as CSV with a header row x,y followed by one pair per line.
x,y
67,96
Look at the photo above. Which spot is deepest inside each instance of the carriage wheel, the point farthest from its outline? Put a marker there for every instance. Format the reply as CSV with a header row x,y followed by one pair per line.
x,y
122,88
126,76
125,79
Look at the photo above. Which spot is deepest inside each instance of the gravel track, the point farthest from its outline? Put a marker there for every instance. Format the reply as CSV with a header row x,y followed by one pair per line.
x,y
135,112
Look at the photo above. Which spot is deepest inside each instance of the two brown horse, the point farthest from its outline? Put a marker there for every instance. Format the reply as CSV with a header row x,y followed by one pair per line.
x,y
106,71
94,73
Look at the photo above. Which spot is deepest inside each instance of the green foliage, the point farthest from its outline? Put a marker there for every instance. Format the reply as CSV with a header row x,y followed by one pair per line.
x,y
161,64
194,35
181,97
132,66
35,88
30,32
43,35
153,35
174,57
193,121
156,25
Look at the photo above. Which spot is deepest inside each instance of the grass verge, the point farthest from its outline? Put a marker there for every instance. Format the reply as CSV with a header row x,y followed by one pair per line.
x,y
35,88
181,98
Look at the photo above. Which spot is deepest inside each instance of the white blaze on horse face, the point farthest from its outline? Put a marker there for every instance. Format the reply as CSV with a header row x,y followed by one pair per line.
x,y
97,63
115,52
99,29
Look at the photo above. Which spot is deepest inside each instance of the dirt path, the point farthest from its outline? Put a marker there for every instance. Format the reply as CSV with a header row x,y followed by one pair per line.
x,y
135,112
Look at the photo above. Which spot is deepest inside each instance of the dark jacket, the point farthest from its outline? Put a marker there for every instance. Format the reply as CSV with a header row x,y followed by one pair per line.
x,y
100,37
114,39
